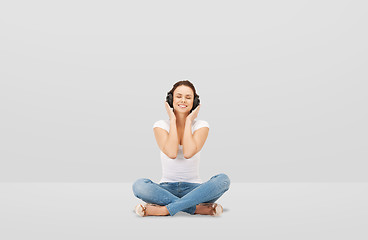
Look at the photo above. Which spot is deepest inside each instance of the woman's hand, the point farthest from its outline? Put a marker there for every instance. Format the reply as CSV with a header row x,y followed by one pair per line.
x,y
170,111
193,115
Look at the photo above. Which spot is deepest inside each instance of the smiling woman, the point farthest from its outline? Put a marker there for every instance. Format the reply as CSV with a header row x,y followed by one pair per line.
x,y
180,140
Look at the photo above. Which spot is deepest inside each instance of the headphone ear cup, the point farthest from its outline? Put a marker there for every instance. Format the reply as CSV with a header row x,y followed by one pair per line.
x,y
195,103
169,99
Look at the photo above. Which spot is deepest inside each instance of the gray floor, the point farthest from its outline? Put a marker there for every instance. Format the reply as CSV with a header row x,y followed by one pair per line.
x,y
253,210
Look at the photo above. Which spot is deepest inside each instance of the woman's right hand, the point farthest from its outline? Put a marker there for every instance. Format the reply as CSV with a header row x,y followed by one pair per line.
x,y
170,111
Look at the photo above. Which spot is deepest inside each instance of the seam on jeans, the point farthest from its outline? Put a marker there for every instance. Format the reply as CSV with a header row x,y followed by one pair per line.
x,y
168,208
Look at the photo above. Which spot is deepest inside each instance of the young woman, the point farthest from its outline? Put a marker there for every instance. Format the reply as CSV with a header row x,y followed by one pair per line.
x,y
180,140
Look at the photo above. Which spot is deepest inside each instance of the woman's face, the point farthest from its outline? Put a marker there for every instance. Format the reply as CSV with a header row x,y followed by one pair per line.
x,y
183,96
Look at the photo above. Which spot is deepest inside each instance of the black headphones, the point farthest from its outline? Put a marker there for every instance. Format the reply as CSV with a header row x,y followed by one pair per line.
x,y
169,99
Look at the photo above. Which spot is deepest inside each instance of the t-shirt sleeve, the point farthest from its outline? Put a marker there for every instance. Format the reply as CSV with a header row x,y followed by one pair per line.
x,y
161,124
200,124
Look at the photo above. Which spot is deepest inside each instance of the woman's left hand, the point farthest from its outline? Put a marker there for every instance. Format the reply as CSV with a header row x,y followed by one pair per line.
x,y
193,115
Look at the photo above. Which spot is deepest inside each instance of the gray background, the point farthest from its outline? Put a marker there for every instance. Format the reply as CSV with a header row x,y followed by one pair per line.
x,y
282,84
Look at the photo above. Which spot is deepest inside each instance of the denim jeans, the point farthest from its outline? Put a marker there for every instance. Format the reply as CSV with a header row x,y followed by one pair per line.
x,y
181,196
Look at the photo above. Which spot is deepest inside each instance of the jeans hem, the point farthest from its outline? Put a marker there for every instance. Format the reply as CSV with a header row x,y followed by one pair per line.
x,y
168,208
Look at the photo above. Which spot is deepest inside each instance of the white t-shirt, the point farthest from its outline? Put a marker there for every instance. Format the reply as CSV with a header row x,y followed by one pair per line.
x,y
180,169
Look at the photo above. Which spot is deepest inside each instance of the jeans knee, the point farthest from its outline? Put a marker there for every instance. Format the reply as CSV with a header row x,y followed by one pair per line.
x,y
139,186
224,180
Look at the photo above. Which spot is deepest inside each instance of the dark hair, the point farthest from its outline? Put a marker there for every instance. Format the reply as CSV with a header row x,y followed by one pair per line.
x,y
186,83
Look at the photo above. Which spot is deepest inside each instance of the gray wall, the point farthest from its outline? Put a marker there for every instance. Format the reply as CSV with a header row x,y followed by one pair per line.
x,y
283,85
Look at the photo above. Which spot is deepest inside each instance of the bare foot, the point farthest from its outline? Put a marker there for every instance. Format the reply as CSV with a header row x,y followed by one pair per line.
x,y
204,210
156,210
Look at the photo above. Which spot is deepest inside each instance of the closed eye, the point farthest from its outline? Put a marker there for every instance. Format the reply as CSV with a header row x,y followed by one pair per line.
x,y
187,97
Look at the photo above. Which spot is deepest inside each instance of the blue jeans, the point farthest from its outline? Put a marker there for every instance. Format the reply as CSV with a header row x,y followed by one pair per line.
x,y
181,196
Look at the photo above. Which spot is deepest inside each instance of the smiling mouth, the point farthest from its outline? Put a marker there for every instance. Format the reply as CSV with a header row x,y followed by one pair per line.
x,y
182,106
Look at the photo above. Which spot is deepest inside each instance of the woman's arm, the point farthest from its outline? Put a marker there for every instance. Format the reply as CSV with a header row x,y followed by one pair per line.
x,y
189,145
172,144
193,143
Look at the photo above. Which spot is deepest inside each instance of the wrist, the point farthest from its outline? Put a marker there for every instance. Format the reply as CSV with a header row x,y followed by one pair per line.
x,y
188,120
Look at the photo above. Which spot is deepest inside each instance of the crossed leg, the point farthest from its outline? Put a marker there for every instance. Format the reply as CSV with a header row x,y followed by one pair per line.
x,y
151,192
170,204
